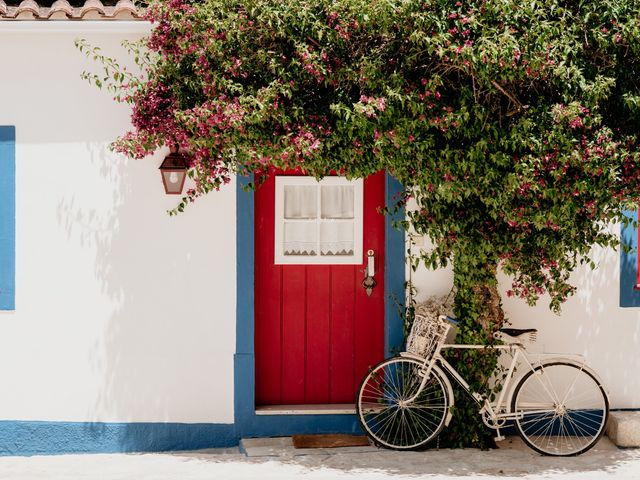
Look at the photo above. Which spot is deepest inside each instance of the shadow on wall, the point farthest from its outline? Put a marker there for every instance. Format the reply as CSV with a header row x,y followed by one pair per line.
x,y
592,324
156,355
107,277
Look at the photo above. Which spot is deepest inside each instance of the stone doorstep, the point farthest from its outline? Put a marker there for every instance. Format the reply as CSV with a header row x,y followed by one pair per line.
x,y
623,428
283,447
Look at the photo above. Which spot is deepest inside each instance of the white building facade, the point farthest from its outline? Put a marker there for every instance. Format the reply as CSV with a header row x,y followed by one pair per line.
x,y
125,329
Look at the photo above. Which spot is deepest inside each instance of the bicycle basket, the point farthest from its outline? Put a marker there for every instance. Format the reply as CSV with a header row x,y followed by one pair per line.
x,y
425,335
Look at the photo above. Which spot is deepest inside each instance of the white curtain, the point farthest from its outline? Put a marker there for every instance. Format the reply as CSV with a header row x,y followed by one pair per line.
x,y
300,201
300,238
335,236
337,201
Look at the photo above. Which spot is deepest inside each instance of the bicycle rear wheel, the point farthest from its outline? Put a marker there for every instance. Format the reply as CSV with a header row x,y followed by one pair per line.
x,y
385,413
563,409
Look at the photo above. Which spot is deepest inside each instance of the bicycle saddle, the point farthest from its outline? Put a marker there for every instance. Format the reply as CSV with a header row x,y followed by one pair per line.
x,y
516,332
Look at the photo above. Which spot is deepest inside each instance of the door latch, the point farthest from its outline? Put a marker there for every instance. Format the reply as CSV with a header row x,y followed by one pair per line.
x,y
369,283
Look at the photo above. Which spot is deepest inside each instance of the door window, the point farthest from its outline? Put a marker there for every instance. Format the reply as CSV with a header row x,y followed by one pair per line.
x,y
318,222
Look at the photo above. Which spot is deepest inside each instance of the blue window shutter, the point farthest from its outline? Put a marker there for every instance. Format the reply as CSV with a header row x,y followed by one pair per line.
x,y
7,218
629,293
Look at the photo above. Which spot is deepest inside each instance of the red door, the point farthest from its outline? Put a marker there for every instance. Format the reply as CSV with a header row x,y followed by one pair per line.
x,y
317,331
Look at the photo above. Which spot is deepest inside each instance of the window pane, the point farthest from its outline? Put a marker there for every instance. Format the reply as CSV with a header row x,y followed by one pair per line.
x,y
336,238
300,201
300,238
337,201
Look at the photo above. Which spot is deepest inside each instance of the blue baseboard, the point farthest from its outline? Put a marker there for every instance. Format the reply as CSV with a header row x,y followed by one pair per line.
x,y
53,438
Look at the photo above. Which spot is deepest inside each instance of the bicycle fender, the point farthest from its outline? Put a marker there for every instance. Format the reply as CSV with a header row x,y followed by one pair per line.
x,y
449,388
568,360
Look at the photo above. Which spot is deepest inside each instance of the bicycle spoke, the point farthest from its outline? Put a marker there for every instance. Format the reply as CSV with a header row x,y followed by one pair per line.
x,y
538,418
387,415
575,379
579,411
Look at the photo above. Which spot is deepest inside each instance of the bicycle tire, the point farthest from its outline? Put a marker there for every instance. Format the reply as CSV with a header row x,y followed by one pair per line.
x,y
384,417
564,409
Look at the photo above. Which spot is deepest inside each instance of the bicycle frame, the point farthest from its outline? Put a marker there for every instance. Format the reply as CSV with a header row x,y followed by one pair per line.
x,y
500,409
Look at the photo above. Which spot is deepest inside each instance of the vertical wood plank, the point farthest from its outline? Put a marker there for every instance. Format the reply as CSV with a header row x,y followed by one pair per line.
x,y
268,348
342,333
369,310
293,333
317,335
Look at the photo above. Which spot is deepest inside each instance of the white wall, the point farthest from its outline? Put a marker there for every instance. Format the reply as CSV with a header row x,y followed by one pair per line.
x,y
591,323
122,312
126,314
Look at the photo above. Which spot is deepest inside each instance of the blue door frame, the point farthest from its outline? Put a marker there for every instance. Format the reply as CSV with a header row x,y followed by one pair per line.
x,y
247,423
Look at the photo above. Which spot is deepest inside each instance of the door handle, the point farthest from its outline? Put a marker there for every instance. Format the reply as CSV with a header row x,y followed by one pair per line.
x,y
369,282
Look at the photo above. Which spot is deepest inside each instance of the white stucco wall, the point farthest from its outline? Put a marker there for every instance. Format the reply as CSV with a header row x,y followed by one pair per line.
x,y
122,312
591,323
126,314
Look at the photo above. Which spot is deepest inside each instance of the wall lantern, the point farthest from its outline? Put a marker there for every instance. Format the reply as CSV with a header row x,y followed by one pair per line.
x,y
174,172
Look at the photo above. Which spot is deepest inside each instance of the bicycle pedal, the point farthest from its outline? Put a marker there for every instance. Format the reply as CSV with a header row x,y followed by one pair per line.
x,y
499,438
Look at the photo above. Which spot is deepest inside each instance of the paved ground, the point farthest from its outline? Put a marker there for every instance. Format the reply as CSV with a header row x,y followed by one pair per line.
x,y
512,460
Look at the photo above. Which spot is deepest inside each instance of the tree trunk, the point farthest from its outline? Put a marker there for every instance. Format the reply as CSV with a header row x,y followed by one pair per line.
x,y
491,317
479,309
477,299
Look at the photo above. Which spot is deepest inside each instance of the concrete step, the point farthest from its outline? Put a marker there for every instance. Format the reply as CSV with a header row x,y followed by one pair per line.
x,y
624,428
283,447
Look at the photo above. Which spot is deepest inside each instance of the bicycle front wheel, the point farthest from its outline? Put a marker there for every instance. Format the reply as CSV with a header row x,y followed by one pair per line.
x,y
562,409
388,412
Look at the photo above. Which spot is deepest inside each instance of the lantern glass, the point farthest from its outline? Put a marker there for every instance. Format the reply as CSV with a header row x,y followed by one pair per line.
x,y
173,181
174,172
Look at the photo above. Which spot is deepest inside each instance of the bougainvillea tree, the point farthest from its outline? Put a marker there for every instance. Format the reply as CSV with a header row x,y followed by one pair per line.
x,y
513,126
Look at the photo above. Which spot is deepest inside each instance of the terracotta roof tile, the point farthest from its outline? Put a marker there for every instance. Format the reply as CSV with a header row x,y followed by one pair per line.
x,y
64,10
92,9
125,9
60,10
28,10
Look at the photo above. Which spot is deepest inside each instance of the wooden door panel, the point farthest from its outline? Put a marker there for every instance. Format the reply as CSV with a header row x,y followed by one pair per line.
x,y
316,331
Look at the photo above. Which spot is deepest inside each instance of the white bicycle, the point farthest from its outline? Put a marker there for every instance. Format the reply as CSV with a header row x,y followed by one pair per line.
x,y
558,405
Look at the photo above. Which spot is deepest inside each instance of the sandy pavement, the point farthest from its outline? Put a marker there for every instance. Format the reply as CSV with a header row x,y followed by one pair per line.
x,y
512,460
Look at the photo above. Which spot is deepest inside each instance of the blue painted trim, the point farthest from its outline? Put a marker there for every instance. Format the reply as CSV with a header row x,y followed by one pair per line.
x,y
52,438
629,297
244,368
394,272
248,424
7,218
